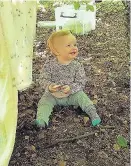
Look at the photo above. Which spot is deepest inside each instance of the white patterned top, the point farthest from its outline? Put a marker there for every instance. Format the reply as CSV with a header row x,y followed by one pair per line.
x,y
72,74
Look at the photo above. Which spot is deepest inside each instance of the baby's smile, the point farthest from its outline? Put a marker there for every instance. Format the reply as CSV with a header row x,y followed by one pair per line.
x,y
73,52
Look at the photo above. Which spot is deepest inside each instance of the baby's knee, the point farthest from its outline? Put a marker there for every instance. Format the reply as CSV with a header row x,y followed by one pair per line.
x,y
83,99
46,100
80,94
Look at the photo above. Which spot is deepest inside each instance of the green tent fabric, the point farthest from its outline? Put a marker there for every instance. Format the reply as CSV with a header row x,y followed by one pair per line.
x,y
17,31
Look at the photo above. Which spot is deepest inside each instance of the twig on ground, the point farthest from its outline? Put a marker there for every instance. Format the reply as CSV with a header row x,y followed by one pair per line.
x,y
78,137
107,127
70,139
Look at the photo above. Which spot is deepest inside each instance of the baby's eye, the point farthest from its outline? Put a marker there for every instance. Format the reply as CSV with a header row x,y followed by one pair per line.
x,y
68,45
75,44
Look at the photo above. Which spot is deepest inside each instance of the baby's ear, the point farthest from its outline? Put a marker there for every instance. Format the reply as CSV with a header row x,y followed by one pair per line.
x,y
55,52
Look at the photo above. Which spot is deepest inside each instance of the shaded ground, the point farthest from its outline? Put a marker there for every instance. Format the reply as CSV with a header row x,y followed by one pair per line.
x,y
105,55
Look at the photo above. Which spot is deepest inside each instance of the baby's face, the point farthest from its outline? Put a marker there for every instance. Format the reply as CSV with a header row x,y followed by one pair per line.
x,y
66,47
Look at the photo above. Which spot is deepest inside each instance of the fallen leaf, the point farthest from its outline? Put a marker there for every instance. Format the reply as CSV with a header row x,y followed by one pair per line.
x,y
96,134
125,122
41,135
54,128
55,161
21,115
30,148
76,120
62,163
94,101
98,43
116,147
33,147
54,120
99,71
95,97
122,142
18,154
110,115
26,137
80,142
65,130
103,130
33,155
86,119
102,154
29,111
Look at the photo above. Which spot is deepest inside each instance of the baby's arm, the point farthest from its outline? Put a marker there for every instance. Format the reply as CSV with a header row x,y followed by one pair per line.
x,y
45,76
80,79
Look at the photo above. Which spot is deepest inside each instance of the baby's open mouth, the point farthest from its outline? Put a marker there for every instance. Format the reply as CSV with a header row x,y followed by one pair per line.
x,y
73,52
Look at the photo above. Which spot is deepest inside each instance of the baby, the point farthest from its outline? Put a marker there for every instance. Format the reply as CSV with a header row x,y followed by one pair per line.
x,y
63,79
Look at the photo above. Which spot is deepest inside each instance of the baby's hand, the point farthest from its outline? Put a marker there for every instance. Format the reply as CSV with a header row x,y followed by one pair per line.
x,y
65,89
54,88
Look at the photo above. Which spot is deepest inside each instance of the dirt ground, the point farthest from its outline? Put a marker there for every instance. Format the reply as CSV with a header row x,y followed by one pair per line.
x,y
105,55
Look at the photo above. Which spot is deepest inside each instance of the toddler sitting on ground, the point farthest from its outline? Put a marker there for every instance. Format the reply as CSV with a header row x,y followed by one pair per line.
x,y
63,79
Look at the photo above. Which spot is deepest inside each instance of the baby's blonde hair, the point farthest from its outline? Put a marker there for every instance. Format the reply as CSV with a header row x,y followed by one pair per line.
x,y
59,33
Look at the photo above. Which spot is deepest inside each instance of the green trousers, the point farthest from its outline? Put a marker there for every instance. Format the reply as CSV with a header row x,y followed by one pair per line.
x,y
48,101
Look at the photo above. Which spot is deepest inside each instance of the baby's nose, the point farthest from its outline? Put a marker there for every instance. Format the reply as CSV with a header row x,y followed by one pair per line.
x,y
74,49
